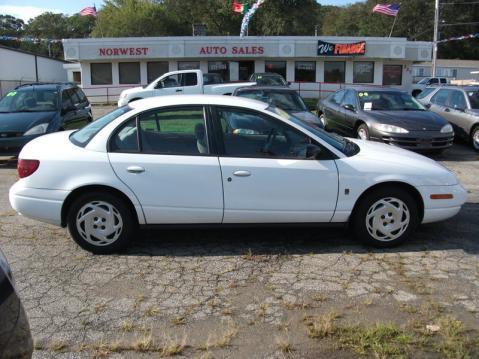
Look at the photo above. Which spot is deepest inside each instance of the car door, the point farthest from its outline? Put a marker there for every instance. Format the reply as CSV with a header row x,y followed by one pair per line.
x,y
163,156
169,85
82,106
349,108
439,103
267,177
456,113
332,110
71,118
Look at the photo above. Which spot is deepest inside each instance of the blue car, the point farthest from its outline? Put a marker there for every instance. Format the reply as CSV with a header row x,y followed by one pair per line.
x,y
33,110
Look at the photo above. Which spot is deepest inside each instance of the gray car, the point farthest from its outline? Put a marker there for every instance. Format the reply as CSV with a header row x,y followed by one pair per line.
x,y
385,115
457,104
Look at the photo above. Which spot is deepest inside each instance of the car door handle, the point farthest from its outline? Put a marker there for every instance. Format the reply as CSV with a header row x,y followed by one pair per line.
x,y
179,90
135,169
242,173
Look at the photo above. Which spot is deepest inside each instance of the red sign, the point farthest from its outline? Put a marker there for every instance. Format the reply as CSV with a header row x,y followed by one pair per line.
x,y
330,49
123,51
234,50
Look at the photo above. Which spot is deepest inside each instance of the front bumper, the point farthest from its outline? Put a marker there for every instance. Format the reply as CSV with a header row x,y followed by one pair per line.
x,y
441,209
415,140
44,205
11,146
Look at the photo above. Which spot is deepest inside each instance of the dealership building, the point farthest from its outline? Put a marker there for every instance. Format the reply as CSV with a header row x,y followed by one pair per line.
x,y
314,65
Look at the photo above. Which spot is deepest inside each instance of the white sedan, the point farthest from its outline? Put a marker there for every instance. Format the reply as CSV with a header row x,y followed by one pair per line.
x,y
189,160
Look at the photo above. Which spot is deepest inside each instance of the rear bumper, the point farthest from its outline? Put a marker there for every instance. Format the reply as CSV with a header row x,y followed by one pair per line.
x,y
41,204
416,140
441,209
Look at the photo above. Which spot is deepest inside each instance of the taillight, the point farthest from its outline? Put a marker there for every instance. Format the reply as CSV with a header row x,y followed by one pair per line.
x,y
26,167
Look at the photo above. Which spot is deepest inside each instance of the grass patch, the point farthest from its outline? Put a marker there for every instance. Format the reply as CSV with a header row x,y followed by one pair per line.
x,y
322,326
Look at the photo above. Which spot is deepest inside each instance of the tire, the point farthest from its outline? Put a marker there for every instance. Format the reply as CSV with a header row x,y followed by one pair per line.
x,y
362,132
101,212
377,225
475,138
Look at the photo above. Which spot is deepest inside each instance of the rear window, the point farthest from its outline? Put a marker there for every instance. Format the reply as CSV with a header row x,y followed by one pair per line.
x,y
83,136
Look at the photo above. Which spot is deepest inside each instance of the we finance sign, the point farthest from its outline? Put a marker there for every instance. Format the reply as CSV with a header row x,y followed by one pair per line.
x,y
331,49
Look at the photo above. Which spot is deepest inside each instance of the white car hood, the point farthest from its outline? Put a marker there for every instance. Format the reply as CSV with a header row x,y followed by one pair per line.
x,y
381,162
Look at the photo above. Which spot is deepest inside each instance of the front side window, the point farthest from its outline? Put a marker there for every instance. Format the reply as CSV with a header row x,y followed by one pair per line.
x,y
305,71
334,71
433,81
363,72
170,81
278,67
350,99
473,99
101,73
441,97
177,131
129,72
392,75
337,97
252,134
425,92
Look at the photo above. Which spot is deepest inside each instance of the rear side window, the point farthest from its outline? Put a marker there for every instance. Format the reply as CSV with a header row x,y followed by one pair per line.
x,y
81,95
85,135
443,81
189,79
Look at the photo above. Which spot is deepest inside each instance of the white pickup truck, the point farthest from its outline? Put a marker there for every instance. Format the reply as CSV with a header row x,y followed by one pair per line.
x,y
188,82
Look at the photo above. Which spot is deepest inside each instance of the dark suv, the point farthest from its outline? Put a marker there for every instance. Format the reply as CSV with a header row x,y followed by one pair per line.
x,y
35,109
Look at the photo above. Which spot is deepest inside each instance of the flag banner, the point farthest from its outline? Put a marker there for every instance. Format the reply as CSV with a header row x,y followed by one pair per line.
x,y
249,14
238,7
387,9
459,38
88,11
32,40
330,49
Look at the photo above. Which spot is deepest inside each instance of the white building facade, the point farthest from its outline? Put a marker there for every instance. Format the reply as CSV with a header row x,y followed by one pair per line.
x,y
314,65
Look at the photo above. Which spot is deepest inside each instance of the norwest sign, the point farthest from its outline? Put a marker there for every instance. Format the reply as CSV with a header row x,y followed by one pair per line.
x,y
123,51
330,49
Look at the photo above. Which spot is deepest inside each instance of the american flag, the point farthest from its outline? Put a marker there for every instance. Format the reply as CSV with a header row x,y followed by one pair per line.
x,y
387,9
89,10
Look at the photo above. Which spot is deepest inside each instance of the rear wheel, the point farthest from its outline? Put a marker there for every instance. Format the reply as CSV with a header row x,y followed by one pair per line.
x,y
475,138
385,217
100,223
362,132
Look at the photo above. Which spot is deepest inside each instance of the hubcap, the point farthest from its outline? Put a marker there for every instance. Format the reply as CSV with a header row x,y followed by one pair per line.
x,y
99,223
475,139
323,121
362,134
387,219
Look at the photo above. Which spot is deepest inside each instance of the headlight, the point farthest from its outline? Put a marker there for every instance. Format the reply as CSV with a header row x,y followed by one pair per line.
x,y
37,130
447,129
390,128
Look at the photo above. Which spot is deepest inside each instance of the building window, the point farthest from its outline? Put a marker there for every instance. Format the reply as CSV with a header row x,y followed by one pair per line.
x,y
188,65
334,71
392,75
363,72
155,69
129,72
219,67
101,73
305,71
278,67
76,76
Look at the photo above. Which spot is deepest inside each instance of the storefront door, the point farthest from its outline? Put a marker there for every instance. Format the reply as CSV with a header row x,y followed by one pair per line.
x,y
246,69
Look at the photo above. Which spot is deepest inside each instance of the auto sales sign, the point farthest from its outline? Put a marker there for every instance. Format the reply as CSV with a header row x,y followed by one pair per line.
x,y
330,49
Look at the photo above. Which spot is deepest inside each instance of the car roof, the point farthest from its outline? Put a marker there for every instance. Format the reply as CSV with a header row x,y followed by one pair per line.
x,y
266,88
164,101
459,87
45,85
266,74
372,88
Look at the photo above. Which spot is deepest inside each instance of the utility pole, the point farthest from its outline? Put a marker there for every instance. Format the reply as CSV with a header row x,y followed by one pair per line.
x,y
436,38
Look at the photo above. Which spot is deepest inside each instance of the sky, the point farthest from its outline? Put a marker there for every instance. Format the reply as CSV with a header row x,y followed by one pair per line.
x,y
26,9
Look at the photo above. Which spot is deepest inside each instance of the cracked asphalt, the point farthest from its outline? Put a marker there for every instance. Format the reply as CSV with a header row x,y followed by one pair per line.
x,y
233,293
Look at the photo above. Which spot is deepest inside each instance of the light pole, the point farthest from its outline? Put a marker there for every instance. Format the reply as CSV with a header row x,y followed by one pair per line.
x,y
436,38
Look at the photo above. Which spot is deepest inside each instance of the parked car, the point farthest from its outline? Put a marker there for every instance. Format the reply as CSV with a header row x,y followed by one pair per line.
x,y
268,79
460,106
187,82
417,88
178,160
15,337
33,110
283,97
385,115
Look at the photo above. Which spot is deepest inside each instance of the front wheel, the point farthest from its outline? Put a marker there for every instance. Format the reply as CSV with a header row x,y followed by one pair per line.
x,y
475,138
100,223
385,217
362,132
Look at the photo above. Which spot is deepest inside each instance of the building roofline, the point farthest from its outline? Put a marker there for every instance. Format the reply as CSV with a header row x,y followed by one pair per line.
x,y
32,53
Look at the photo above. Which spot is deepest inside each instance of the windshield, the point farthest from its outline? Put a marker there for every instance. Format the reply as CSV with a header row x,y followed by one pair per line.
x,y
83,136
425,92
270,80
30,99
388,101
474,99
286,100
340,143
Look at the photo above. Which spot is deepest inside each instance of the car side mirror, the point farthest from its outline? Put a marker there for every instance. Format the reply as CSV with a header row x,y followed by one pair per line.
x,y
428,106
349,107
313,152
457,108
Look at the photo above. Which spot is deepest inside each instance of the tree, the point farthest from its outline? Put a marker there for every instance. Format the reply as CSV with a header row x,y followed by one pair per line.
x,y
10,25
